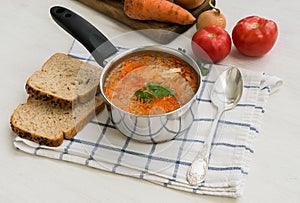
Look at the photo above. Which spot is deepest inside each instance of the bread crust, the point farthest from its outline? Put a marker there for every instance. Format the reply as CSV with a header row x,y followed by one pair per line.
x,y
76,122
64,108
34,137
57,101
79,93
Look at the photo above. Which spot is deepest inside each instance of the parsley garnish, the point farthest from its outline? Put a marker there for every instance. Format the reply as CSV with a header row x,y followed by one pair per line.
x,y
203,69
141,94
153,90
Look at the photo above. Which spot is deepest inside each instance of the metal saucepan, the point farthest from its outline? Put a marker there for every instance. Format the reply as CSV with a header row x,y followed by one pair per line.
x,y
143,128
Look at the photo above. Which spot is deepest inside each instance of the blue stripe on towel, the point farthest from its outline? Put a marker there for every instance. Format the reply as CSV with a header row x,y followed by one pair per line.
x,y
122,152
103,124
232,168
234,146
147,165
251,86
228,123
92,153
142,155
66,150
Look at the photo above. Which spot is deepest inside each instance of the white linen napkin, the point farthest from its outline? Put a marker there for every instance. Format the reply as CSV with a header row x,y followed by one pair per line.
x,y
100,145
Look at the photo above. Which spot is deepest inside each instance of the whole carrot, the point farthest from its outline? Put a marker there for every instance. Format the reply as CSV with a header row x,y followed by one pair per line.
x,y
159,10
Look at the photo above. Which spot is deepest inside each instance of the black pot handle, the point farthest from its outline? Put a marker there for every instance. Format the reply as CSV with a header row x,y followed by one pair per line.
x,y
91,38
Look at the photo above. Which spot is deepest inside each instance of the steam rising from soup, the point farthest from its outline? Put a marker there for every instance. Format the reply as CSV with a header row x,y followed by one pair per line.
x,y
150,84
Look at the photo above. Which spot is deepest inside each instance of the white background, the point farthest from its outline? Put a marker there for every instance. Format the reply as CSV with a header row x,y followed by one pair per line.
x,y
29,37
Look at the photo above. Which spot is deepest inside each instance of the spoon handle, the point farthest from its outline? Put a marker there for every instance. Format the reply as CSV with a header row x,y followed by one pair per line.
x,y
198,169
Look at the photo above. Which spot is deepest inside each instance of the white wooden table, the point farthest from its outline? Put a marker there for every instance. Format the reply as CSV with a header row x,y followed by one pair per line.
x,y
29,37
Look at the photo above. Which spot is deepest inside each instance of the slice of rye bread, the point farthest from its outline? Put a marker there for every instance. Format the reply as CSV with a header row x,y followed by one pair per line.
x,y
47,124
64,80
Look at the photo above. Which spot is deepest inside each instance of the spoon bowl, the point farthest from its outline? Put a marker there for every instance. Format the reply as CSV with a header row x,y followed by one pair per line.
x,y
225,95
227,90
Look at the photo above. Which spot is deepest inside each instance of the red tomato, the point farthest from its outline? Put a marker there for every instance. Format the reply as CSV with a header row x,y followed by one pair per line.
x,y
211,43
254,36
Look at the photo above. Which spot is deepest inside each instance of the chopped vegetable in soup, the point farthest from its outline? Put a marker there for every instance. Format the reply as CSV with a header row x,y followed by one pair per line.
x,y
151,84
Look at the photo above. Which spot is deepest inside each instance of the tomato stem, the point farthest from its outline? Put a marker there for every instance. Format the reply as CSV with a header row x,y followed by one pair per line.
x,y
212,35
254,25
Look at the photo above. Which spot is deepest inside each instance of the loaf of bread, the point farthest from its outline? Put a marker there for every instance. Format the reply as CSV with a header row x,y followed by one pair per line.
x,y
64,80
45,123
61,101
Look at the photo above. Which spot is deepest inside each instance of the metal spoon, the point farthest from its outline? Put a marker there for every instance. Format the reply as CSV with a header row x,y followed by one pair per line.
x,y
225,94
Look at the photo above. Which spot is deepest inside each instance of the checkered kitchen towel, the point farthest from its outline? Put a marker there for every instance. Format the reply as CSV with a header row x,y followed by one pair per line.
x,y
100,145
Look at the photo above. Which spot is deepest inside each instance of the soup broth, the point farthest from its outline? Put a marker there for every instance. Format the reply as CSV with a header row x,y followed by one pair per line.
x,y
150,84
